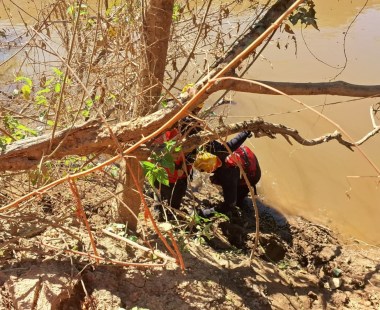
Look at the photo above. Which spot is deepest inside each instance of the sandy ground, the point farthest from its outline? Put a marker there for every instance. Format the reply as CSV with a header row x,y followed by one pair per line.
x,y
298,265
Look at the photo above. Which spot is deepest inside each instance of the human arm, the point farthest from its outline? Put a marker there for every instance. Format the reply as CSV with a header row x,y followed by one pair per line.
x,y
238,140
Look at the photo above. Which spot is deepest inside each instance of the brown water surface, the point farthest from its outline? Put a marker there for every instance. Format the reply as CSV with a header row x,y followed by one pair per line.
x,y
327,183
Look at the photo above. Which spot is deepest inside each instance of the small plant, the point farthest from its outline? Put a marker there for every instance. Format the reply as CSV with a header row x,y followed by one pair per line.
x,y
204,226
154,169
27,86
15,130
177,11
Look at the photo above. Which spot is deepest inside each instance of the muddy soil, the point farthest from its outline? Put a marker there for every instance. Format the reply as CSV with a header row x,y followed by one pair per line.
x,y
298,264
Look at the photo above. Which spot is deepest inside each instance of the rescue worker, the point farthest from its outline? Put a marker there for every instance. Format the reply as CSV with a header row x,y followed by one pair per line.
x,y
178,178
226,173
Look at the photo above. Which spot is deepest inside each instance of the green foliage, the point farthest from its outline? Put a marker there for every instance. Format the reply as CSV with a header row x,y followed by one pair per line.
x,y
305,14
177,10
88,105
164,103
72,10
47,95
16,129
40,98
26,88
154,173
205,226
154,169
76,164
41,175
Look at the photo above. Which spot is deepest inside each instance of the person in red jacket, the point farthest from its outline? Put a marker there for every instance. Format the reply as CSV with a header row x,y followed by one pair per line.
x,y
227,175
178,178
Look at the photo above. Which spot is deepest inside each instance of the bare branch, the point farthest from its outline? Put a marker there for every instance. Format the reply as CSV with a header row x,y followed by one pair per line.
x,y
338,88
260,128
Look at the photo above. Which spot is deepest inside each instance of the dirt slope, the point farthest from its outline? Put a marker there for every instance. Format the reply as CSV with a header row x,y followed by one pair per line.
x,y
299,265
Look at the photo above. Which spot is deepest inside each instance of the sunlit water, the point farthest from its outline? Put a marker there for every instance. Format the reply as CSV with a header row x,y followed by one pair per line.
x,y
327,183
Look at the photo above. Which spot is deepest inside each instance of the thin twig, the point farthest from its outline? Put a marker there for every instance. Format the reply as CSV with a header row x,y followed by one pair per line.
x,y
82,214
138,246
106,260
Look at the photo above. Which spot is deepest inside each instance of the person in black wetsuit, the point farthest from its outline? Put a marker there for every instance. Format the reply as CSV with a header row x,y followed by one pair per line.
x,y
228,177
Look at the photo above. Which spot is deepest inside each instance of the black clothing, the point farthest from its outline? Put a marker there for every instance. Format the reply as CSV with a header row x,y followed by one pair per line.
x,y
174,193
234,189
220,150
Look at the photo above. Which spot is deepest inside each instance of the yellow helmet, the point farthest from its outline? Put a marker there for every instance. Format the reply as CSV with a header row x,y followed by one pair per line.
x,y
207,162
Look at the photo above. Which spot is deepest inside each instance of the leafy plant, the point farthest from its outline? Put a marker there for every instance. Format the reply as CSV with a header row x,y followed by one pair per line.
x,y
15,129
26,88
154,173
18,130
154,169
204,226
88,105
177,10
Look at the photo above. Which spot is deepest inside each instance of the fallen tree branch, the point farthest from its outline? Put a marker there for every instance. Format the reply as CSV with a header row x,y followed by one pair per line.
x,y
260,128
337,88
273,13
19,158
92,136
81,140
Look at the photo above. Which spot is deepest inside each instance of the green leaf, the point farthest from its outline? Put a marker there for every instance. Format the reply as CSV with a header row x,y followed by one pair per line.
x,y
43,91
89,103
48,82
133,238
150,177
70,10
164,103
27,129
111,97
176,12
167,161
114,171
57,72
41,100
27,80
162,176
57,87
147,166
86,113
169,145
187,87
178,148
50,122
83,10
26,90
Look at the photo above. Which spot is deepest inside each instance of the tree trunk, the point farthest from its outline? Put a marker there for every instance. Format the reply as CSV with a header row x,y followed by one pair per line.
x,y
157,21
129,201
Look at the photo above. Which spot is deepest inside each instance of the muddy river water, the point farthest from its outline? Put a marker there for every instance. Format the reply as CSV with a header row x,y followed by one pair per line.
x,y
326,183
